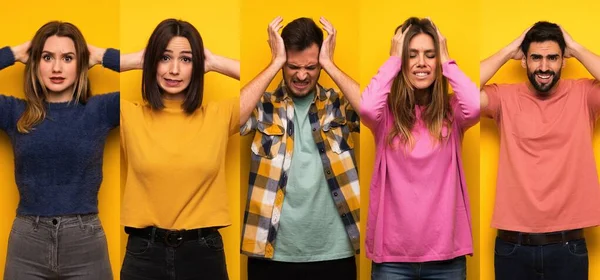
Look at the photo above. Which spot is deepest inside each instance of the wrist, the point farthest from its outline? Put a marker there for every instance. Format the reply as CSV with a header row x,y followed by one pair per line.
x,y
279,62
16,54
327,65
208,66
100,56
509,52
575,50
444,59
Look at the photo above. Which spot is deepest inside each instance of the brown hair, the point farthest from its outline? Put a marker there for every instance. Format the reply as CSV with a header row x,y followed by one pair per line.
x,y
401,99
35,90
157,44
300,34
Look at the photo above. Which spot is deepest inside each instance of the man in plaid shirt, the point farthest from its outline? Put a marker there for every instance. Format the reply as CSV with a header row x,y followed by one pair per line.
x,y
303,207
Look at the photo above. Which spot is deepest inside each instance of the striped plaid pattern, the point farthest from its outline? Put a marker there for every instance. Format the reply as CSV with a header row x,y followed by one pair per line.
x,y
332,120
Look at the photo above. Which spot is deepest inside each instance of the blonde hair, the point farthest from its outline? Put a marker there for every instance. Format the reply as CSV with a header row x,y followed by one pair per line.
x,y
402,100
35,90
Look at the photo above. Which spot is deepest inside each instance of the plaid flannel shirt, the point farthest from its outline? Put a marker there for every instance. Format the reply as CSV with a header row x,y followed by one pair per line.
x,y
332,119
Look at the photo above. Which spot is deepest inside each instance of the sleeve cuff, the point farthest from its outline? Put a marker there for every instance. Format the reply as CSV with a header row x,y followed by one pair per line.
x,y
112,59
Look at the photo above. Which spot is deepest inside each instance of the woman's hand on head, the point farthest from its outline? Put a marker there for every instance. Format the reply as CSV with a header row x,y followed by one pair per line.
x,y
21,52
96,55
397,42
443,45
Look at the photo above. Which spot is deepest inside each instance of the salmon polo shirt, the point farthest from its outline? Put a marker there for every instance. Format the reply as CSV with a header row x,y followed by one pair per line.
x,y
547,179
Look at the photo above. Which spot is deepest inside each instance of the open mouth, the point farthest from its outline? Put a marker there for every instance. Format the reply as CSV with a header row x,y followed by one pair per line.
x,y
544,78
57,80
300,84
421,74
172,82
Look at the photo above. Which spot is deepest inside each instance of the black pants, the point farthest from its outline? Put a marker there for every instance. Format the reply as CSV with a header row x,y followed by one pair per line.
x,y
203,258
567,260
262,269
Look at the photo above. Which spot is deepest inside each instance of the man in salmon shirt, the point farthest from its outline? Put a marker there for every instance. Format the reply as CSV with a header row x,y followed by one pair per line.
x,y
547,187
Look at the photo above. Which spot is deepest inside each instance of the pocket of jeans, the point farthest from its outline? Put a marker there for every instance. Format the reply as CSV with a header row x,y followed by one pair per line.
x,y
22,226
577,247
137,245
214,241
503,248
94,227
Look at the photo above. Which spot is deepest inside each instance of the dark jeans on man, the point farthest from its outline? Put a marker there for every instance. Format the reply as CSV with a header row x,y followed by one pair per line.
x,y
153,258
558,261
263,269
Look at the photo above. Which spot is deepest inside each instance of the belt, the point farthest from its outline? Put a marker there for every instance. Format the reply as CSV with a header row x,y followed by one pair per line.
x,y
172,238
539,239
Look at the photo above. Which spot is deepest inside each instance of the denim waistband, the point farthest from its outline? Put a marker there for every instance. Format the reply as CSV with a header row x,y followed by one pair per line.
x,y
60,221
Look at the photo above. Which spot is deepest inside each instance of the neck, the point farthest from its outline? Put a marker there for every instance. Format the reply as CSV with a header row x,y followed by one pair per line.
x,y
544,94
60,97
174,97
422,97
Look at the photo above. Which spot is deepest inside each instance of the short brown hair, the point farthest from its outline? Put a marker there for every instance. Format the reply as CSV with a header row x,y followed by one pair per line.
x,y
300,34
157,44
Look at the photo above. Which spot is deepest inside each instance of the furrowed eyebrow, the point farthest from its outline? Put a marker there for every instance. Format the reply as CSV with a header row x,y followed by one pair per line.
x,y
294,65
415,50
68,53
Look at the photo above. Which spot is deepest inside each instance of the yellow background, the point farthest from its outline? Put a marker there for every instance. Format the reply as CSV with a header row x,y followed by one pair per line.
x,y
504,22
256,55
458,23
218,24
100,27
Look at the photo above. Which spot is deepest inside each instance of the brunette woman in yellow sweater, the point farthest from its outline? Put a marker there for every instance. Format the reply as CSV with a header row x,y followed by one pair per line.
x,y
174,146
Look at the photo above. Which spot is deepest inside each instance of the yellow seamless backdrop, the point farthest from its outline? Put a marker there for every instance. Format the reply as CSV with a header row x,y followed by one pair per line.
x,y
100,27
502,22
218,24
458,21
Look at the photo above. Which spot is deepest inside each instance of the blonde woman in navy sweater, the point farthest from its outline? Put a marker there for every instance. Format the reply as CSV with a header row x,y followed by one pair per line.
x,y
58,134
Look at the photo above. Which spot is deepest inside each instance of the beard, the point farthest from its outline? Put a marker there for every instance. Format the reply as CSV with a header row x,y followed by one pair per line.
x,y
293,93
543,89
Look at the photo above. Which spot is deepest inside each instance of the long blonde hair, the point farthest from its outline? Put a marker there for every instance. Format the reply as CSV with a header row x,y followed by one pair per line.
x,y
35,90
402,100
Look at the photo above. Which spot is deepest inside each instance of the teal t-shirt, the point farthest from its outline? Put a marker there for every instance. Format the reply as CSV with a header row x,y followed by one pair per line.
x,y
310,227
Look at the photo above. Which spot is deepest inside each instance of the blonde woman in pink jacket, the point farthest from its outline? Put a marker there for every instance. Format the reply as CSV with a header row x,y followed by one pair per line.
x,y
418,225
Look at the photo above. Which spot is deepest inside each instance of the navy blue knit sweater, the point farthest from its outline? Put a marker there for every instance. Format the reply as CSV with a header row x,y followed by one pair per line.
x,y
58,165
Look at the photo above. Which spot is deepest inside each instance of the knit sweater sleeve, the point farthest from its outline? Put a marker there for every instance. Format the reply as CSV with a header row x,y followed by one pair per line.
x,y
7,103
112,60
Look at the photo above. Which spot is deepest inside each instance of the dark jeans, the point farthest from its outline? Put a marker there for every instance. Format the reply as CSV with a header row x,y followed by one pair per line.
x,y
454,269
66,247
263,269
567,260
147,259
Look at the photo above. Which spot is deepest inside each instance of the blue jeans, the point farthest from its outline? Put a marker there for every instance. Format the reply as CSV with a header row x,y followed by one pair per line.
x,y
454,269
567,260
67,247
202,258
